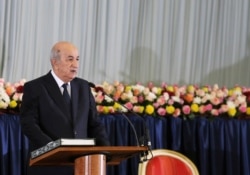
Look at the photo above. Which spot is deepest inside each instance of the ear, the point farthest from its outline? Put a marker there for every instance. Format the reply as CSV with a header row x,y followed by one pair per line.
x,y
54,62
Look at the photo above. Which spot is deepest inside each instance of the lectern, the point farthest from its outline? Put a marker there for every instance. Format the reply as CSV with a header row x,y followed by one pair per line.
x,y
91,160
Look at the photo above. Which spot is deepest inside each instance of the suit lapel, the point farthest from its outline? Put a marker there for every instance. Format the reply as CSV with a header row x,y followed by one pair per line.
x,y
74,99
56,95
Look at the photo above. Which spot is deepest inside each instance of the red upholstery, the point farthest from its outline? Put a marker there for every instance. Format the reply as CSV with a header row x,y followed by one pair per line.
x,y
163,165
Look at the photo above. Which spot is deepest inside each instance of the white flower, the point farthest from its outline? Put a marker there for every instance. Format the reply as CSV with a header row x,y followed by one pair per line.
x,y
166,96
108,99
123,109
3,105
155,90
151,96
197,100
138,87
146,91
230,104
176,99
93,92
4,98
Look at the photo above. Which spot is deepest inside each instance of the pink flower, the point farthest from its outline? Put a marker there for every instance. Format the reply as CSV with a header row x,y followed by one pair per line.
x,y
205,98
177,112
166,96
111,109
17,96
161,111
186,109
215,101
99,108
208,107
116,83
215,112
220,93
163,84
170,102
99,98
243,109
134,100
140,99
129,105
156,105
223,108
150,85
202,109
200,92
120,88
138,109
161,100
109,89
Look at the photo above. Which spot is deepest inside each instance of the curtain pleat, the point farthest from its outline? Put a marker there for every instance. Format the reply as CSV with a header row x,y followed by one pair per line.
x,y
216,146
178,42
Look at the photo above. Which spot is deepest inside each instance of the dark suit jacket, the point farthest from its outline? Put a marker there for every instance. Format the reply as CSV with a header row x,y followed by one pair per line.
x,y
44,117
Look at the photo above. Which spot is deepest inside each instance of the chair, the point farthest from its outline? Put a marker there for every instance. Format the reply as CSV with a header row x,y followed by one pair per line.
x,y
166,162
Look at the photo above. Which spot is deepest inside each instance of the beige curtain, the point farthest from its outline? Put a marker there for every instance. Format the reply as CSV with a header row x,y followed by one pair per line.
x,y
172,41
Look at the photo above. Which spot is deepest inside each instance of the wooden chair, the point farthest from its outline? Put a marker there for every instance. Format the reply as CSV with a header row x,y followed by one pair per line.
x,y
166,162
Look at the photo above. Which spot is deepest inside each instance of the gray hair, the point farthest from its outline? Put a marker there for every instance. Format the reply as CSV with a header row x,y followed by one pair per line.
x,y
55,54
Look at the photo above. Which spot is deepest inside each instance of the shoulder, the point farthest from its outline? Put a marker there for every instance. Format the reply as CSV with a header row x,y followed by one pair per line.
x,y
80,81
40,81
80,85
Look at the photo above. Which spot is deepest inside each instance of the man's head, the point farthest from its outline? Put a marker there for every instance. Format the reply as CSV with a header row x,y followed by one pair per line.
x,y
64,59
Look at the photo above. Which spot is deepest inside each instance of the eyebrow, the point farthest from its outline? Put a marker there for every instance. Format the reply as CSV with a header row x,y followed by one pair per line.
x,y
70,56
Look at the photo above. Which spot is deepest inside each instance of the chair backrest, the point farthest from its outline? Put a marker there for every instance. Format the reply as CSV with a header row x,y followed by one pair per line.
x,y
167,162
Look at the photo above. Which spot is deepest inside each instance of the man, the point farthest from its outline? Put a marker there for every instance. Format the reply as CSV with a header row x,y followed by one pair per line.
x,y
45,114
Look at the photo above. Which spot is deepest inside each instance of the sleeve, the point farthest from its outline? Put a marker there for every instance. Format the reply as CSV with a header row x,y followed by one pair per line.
x,y
30,117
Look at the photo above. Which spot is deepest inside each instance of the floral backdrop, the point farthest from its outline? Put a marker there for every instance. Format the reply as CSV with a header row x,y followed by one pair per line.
x,y
186,101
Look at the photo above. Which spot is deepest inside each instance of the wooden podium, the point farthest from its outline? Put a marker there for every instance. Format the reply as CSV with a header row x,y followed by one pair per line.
x,y
91,160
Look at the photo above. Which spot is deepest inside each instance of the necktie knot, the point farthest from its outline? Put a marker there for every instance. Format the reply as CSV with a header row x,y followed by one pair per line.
x,y
66,93
65,85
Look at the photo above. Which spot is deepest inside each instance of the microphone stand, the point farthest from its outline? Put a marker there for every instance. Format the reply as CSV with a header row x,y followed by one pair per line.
x,y
145,139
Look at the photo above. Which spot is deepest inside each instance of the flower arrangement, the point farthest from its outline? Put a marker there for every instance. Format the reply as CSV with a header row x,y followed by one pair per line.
x,y
187,101
11,96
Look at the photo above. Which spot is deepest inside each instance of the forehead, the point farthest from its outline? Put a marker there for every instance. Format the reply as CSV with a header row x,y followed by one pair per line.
x,y
69,51
66,49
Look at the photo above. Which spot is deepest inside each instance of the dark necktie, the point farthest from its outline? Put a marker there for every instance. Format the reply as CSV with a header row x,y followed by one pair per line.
x,y
66,96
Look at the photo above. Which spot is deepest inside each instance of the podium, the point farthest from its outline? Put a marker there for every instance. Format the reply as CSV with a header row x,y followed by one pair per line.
x,y
91,160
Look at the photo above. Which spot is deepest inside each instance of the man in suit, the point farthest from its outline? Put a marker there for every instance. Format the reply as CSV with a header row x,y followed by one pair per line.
x,y
46,116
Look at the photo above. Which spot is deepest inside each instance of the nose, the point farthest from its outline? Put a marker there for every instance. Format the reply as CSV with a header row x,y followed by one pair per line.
x,y
75,63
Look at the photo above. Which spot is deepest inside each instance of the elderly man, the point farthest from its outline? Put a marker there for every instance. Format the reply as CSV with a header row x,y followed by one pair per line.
x,y
46,115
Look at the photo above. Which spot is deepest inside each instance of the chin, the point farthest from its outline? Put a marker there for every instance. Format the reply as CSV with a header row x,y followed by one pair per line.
x,y
72,77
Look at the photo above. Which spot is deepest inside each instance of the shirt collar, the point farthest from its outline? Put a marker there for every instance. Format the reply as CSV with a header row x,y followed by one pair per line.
x,y
58,80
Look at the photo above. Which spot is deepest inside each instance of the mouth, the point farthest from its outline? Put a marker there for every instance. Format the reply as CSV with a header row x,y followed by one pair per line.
x,y
73,71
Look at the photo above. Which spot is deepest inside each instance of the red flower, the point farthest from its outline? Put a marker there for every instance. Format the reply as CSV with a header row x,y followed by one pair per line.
x,y
19,89
247,94
98,88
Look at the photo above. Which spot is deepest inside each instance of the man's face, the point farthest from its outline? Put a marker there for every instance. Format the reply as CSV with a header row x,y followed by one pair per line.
x,y
66,67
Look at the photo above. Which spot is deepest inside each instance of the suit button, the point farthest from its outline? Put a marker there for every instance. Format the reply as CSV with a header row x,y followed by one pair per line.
x,y
75,133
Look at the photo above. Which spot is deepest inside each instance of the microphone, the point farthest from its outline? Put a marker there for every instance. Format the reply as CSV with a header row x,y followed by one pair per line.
x,y
145,139
92,85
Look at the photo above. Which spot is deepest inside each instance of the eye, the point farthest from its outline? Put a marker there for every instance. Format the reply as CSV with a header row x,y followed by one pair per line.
x,y
70,59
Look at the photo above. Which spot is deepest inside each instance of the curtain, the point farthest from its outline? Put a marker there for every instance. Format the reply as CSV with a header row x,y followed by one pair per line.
x,y
218,146
172,41
13,147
